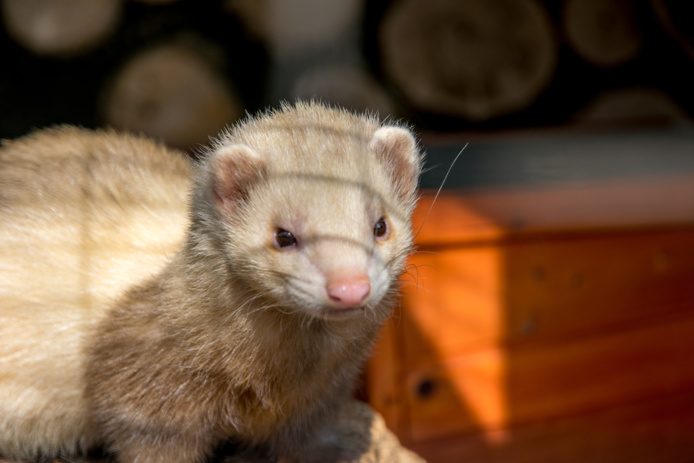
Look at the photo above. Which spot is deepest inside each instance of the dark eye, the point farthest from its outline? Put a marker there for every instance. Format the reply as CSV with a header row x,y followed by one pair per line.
x,y
284,239
381,228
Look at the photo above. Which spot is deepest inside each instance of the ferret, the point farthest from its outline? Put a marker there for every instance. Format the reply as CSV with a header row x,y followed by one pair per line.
x,y
158,307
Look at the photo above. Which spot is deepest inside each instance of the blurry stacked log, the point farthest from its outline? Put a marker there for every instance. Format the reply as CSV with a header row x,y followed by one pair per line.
x,y
609,35
180,70
172,70
315,50
478,58
604,33
499,63
171,93
60,27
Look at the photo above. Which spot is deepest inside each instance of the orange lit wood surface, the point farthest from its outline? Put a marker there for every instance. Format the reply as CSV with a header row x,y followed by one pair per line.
x,y
618,204
508,292
536,382
555,314
653,431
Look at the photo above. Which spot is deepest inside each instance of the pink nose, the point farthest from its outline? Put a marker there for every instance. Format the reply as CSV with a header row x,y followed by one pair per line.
x,y
348,293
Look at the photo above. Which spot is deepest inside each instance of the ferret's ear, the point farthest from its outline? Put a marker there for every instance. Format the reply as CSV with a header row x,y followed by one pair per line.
x,y
397,150
234,169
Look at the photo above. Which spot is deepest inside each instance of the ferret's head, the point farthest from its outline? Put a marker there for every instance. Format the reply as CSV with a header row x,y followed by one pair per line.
x,y
314,206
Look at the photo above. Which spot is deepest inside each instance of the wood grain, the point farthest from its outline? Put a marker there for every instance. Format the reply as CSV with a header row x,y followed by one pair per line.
x,y
547,380
508,292
658,430
477,59
603,32
547,324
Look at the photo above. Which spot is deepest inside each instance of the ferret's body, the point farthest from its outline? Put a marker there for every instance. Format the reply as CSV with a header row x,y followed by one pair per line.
x,y
158,324
83,216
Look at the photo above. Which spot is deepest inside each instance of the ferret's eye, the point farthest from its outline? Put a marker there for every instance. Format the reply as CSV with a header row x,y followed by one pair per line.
x,y
381,228
284,239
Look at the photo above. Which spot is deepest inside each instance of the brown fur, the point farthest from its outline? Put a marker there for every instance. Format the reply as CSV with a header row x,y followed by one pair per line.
x,y
235,338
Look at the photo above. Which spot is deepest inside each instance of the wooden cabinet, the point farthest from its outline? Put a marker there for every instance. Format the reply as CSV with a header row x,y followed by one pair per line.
x,y
546,324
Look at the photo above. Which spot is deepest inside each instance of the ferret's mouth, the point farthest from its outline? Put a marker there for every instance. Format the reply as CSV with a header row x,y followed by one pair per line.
x,y
332,313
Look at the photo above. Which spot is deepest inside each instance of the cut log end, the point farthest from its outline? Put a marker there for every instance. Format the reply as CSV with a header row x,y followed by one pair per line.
x,y
344,85
477,59
170,94
605,33
60,27
633,105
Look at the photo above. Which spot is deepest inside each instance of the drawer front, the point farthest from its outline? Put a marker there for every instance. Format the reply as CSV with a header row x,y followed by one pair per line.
x,y
458,299
502,333
497,388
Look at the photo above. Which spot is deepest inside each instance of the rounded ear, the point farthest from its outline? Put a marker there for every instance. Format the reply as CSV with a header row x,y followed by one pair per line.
x,y
397,150
234,168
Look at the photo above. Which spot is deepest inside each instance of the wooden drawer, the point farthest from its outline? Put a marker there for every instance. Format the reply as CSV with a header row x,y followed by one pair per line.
x,y
495,388
492,293
653,431
526,311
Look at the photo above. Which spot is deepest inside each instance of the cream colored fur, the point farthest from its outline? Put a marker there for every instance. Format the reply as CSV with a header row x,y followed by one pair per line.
x,y
83,216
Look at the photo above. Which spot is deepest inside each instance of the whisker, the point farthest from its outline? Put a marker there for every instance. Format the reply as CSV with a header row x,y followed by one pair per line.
x,y
412,278
436,196
418,287
430,168
433,253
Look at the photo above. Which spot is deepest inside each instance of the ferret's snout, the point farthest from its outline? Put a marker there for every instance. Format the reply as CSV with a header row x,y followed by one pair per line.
x,y
348,292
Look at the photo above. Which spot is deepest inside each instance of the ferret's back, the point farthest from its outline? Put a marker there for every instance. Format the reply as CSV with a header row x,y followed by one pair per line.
x,y
83,216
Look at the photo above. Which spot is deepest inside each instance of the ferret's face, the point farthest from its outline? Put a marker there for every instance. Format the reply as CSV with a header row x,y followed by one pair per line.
x,y
318,221
328,247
